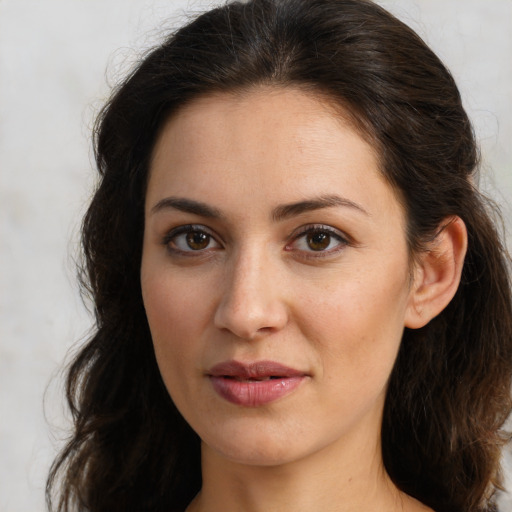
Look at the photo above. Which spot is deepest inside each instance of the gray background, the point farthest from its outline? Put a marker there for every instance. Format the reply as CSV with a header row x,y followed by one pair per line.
x,y
57,58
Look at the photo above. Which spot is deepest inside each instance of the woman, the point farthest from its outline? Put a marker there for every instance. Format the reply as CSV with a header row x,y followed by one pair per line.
x,y
302,301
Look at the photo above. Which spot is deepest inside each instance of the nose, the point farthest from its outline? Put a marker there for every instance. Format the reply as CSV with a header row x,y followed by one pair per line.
x,y
252,302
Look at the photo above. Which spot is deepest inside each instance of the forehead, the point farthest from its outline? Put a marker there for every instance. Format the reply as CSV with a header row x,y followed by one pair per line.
x,y
281,106
304,117
267,139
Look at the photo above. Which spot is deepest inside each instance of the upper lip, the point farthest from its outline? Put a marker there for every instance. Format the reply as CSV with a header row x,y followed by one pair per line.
x,y
255,370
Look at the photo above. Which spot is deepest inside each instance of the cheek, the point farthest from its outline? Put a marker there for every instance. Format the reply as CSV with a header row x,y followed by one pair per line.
x,y
171,299
175,316
358,327
171,324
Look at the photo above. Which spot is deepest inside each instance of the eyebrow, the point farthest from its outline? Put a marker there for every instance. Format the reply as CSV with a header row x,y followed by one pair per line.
x,y
279,213
187,205
291,210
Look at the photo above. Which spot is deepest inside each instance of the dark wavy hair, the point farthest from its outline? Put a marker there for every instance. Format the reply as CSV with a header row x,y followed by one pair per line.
x,y
449,392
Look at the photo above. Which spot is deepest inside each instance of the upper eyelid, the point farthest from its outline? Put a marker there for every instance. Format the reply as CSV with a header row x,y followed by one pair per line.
x,y
320,227
185,228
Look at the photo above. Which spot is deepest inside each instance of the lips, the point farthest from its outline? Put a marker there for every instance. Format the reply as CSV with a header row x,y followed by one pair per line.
x,y
254,384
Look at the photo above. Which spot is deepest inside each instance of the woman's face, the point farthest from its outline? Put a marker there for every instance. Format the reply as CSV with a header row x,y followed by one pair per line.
x,y
275,275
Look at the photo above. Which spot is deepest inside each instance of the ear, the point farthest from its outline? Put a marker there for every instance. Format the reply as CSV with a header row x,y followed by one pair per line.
x,y
437,273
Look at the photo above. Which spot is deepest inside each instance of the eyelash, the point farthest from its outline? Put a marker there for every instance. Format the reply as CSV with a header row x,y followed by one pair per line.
x,y
170,239
320,229
313,229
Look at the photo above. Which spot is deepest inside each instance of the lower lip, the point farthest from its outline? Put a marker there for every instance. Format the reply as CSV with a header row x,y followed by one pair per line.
x,y
253,393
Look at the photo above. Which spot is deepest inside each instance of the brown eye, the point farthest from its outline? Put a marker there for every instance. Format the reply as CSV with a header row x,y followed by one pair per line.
x,y
318,241
197,240
190,239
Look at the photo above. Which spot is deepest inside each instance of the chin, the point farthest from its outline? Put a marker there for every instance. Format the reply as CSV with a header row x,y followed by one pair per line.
x,y
254,447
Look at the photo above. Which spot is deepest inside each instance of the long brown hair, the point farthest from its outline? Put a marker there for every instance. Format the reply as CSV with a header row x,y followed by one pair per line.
x,y
449,392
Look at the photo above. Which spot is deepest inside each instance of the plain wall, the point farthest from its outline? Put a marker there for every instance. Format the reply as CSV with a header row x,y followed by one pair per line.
x,y
56,59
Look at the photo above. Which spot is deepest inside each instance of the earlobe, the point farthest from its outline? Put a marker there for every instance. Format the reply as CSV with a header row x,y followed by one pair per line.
x,y
437,273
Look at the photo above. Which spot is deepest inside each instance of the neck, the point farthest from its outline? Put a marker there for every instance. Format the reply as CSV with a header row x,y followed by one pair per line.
x,y
327,481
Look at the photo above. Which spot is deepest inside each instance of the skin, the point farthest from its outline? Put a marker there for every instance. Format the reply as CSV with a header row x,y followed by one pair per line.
x,y
254,285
